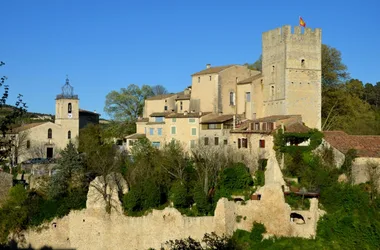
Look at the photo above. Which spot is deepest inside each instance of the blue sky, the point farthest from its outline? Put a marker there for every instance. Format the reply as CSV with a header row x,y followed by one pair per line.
x,y
107,45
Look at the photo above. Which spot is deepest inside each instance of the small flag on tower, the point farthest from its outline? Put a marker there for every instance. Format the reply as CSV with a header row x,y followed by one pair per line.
x,y
302,22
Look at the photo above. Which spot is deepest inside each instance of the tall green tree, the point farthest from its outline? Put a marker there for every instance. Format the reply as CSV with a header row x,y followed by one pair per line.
x,y
128,103
333,69
69,173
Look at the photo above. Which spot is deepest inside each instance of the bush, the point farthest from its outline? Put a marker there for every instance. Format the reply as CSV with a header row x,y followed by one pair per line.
x,y
200,198
257,232
236,178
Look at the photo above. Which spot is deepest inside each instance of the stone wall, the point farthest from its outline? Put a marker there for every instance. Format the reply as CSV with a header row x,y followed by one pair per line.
x,y
92,228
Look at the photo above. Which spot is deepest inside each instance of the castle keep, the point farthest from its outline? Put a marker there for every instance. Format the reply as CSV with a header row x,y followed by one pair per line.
x,y
238,107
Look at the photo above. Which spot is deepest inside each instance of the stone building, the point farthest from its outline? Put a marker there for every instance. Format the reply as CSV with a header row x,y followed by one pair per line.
x,y
222,98
46,139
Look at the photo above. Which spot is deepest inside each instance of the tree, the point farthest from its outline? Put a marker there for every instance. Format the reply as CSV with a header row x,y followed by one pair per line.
x,y
10,119
128,103
258,65
333,70
159,90
69,173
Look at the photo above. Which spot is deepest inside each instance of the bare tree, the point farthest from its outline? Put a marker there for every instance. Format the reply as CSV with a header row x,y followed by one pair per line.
x,y
159,90
209,161
175,160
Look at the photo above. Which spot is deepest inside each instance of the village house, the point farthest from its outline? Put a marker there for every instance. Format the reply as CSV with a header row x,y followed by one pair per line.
x,y
237,107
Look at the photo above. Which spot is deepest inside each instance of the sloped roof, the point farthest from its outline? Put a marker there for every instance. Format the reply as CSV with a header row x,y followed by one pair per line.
x,y
188,115
215,118
160,97
159,114
87,111
297,127
274,118
251,78
26,126
213,70
365,145
135,136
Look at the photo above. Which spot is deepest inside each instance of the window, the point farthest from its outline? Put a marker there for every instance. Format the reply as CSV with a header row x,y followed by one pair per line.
x,y
232,98
192,143
193,131
212,126
210,78
303,63
28,144
159,119
216,141
248,96
173,130
69,135
270,126
257,126
69,108
199,79
273,69
151,131
272,91
264,126
159,131
262,143
225,142
206,141
174,119
181,106
156,144
239,143
191,120
244,143
166,108
50,133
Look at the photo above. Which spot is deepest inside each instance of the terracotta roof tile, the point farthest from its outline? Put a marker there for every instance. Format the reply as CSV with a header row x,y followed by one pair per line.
x,y
215,118
365,145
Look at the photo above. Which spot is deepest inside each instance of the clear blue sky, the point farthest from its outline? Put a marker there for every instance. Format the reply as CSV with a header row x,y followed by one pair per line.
x,y
104,45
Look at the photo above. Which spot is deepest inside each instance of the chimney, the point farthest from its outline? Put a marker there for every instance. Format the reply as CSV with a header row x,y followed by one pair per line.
x,y
208,66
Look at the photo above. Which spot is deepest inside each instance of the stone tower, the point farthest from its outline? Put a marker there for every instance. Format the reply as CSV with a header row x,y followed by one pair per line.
x,y
67,111
291,66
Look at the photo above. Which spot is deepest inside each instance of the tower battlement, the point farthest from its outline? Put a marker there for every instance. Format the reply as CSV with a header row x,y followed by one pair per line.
x,y
286,34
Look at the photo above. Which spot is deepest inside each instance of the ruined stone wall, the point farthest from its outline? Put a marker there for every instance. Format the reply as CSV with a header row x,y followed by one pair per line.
x,y
92,228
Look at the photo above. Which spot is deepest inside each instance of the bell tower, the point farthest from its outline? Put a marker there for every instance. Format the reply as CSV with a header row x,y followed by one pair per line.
x,y
67,111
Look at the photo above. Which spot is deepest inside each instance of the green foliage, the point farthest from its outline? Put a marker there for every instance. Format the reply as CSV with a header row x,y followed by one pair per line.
x,y
257,232
179,195
259,178
333,70
348,160
297,202
200,198
128,103
236,178
69,173
211,241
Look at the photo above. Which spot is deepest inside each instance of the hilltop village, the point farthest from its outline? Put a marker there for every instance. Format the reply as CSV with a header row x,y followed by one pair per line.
x,y
239,151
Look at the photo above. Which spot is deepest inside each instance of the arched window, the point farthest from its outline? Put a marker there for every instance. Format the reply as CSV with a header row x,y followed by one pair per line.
x,y
50,133
69,135
69,108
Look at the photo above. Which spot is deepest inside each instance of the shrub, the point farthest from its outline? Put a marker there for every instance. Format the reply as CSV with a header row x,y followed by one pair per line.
x,y
257,232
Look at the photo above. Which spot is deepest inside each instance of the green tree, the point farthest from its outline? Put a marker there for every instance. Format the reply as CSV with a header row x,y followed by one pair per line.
x,y
69,173
258,65
128,103
333,69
